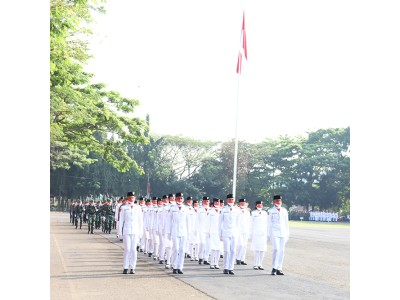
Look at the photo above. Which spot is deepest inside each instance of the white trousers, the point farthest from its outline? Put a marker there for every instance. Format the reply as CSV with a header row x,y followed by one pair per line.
x,y
178,251
204,246
161,253
229,252
214,258
130,253
278,252
258,258
194,250
242,246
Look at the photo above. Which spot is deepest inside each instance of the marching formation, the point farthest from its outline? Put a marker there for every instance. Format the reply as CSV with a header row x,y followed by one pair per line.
x,y
171,228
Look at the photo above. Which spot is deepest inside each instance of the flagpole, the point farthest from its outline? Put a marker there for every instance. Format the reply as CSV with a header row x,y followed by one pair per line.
x,y
242,52
148,184
236,143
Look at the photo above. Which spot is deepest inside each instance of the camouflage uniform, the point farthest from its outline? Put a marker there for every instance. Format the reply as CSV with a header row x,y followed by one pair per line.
x,y
78,214
90,214
85,207
98,215
107,214
72,212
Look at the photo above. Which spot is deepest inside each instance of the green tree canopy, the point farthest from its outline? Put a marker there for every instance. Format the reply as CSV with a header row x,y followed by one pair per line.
x,y
85,117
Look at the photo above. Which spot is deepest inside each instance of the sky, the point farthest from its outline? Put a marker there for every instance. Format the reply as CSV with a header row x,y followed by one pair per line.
x,y
178,58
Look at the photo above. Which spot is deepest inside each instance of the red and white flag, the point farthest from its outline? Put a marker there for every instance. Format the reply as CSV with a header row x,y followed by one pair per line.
x,y
243,48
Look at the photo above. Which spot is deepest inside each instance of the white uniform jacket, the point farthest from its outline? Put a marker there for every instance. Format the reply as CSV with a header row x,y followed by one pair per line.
x,y
130,220
229,222
278,222
179,221
244,221
259,230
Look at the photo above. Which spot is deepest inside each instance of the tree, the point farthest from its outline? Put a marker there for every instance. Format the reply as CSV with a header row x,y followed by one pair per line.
x,y
85,117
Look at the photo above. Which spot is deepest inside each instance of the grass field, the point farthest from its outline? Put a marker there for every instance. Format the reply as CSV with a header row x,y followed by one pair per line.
x,y
313,224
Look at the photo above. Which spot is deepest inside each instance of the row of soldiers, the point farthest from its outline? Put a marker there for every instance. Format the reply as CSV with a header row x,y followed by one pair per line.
x,y
324,216
99,215
168,230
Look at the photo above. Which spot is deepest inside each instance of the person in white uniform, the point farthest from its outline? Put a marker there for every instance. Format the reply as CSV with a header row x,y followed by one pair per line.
x,y
116,215
178,232
147,214
160,228
166,223
244,230
202,215
278,233
142,205
130,226
194,228
213,219
258,235
228,232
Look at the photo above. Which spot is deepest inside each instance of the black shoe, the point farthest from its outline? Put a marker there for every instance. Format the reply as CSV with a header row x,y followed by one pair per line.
x,y
260,268
150,254
174,271
221,256
188,256
125,271
88,231
200,261
132,272
141,250
91,232
161,262
206,262
279,272
243,263
231,272
238,262
273,271
137,248
180,272
226,271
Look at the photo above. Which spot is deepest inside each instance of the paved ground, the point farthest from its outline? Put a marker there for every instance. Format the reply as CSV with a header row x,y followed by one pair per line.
x,y
82,266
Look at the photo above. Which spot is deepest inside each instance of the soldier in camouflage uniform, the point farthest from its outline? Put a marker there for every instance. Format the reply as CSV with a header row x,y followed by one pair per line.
x,y
85,206
78,214
71,212
109,215
98,215
90,214
114,206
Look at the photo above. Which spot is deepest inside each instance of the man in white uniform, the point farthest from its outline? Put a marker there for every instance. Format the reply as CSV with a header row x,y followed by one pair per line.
x,y
278,233
258,235
213,219
228,232
131,227
204,236
178,231
244,229
168,201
